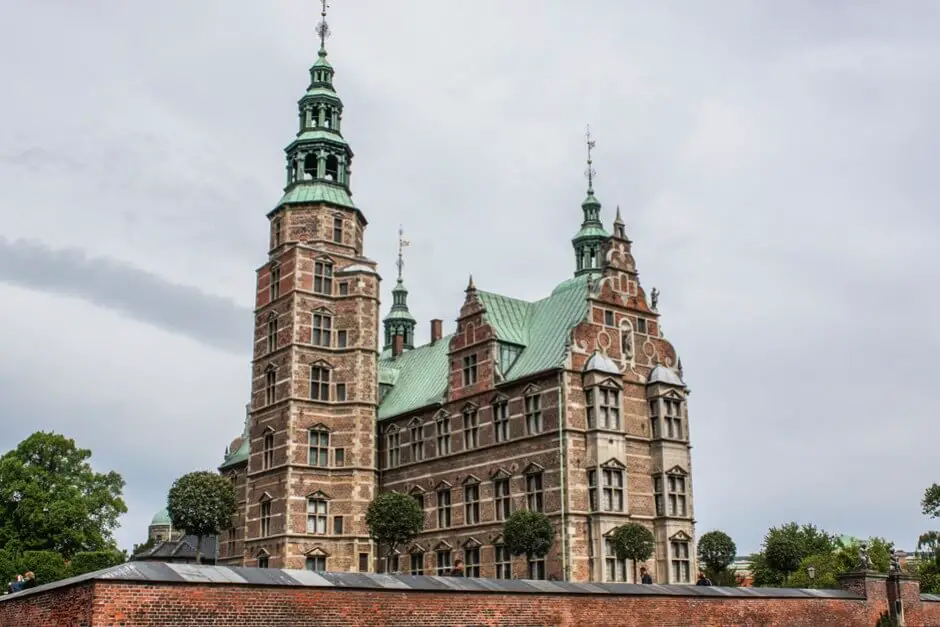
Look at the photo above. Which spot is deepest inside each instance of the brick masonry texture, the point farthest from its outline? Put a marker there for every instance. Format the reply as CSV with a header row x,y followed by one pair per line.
x,y
132,603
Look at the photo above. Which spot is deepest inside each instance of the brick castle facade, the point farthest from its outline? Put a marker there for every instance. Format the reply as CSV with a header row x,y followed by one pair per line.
x,y
573,405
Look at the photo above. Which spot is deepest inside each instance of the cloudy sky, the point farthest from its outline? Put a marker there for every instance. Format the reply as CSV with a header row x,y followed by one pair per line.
x,y
772,162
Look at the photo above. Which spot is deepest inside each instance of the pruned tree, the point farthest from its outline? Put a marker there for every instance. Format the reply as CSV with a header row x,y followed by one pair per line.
x,y
634,542
528,533
930,504
783,554
393,519
202,504
716,552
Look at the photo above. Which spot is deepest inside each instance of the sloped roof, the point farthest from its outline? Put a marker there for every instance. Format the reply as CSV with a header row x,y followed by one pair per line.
x,y
184,548
542,328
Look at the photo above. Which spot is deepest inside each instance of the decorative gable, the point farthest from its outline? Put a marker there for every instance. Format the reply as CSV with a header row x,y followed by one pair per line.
x,y
614,463
443,545
416,549
443,485
680,536
416,490
500,473
533,468
531,389
472,543
469,407
471,479
677,470
265,496
319,495
317,551
499,398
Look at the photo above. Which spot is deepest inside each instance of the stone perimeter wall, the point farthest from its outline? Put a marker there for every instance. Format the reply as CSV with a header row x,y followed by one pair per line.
x,y
103,603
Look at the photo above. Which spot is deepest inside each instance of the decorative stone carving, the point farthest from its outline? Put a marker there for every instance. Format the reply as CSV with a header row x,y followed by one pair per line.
x,y
626,343
654,299
864,562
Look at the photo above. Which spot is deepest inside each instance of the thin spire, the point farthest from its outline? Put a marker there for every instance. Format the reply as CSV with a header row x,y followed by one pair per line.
x,y
618,220
323,29
590,173
402,244
470,286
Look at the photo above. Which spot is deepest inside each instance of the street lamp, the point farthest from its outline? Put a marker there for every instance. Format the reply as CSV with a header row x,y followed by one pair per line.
x,y
811,571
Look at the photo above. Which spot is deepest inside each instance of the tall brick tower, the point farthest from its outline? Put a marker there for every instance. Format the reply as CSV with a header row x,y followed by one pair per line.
x,y
311,464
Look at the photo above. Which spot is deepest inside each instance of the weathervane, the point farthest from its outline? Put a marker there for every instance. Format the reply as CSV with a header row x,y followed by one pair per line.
x,y
323,29
402,243
590,173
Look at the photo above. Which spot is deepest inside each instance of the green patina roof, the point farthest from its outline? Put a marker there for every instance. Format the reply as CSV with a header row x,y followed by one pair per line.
x,y
590,231
318,134
419,376
161,518
321,60
399,314
317,192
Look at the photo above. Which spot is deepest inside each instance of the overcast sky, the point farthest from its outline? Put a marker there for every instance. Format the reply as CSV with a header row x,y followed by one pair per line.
x,y
775,163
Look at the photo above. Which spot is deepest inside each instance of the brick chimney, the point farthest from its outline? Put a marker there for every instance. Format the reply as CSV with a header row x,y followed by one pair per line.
x,y
398,345
436,333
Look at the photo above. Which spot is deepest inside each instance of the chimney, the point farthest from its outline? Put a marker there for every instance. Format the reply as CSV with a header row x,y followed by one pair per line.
x,y
398,345
435,331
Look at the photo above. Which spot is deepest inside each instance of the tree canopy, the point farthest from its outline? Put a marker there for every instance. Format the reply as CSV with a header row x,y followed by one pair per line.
x,y
930,504
201,503
52,500
928,545
394,519
528,533
716,552
635,542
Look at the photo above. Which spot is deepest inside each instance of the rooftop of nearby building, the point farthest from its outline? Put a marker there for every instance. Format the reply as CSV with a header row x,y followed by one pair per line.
x,y
181,549
161,518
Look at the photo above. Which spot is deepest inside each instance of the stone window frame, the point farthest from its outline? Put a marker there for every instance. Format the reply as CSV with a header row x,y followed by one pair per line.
x,y
318,448
469,369
597,405
315,557
532,409
339,227
416,445
662,422
534,487
471,426
416,553
471,488
603,488
615,569
392,447
321,327
323,275
318,498
264,515
445,518
667,496
499,405
535,568
262,557
272,331
278,230
442,567
268,445
502,559
680,557
419,494
274,281
442,432
270,384
322,383
471,557
502,503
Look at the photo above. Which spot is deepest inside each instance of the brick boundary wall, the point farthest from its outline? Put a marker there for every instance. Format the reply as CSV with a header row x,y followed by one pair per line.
x,y
208,596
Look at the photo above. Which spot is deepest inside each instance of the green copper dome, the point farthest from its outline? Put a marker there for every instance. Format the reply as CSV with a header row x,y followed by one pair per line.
x,y
161,518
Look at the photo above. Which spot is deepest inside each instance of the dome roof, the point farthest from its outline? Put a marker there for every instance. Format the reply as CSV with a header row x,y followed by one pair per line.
x,y
602,363
160,518
661,374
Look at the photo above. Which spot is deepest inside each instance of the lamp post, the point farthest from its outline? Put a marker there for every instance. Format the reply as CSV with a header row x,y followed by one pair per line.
x,y
811,571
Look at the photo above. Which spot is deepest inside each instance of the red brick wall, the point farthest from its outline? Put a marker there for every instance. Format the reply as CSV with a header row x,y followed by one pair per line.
x,y
138,603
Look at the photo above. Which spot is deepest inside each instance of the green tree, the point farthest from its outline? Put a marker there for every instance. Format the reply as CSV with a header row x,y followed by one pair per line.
x,y
394,519
52,500
928,568
528,533
784,548
783,554
48,566
8,569
634,542
716,552
90,561
930,504
202,504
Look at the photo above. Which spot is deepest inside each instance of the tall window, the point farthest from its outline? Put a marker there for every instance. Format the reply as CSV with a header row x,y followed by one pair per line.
x,y
471,500
533,489
342,339
262,561
609,401
613,490
265,518
319,383
316,563
677,496
417,443
537,568
340,393
338,525
272,332
658,495
443,435
316,516
503,562
417,563
471,558
589,408
502,498
319,448
268,458
270,385
470,369
338,230
471,429
443,562
655,430
393,448
275,288
443,508
614,569
323,277
278,232
641,325
680,561
322,330
533,414
501,421
673,419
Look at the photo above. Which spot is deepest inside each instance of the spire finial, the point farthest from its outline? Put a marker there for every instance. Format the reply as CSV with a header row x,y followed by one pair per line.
x,y
590,173
323,29
470,286
402,243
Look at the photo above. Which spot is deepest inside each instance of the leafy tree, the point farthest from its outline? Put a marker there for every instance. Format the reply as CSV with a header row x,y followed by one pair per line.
x,y
143,546
52,500
394,519
90,561
784,548
783,554
762,575
716,551
48,566
634,542
928,550
528,533
201,503
930,504
8,569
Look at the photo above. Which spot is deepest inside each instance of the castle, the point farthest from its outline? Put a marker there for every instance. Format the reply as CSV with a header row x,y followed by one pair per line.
x,y
573,405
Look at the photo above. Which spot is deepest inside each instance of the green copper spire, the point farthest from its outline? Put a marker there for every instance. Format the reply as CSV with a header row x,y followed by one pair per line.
x,y
399,320
319,159
589,241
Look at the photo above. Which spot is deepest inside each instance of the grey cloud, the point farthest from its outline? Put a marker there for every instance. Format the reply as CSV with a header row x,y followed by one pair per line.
x,y
215,321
